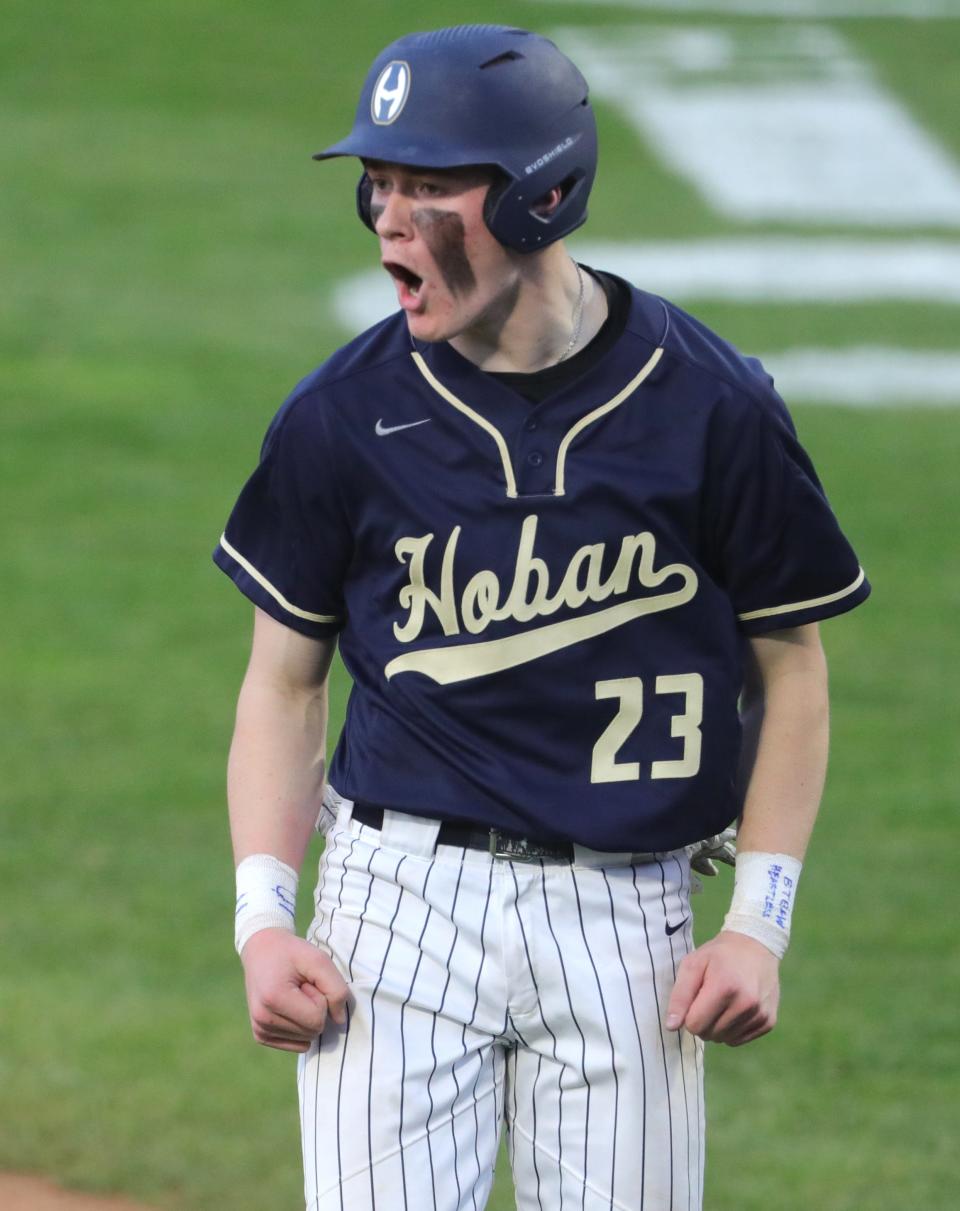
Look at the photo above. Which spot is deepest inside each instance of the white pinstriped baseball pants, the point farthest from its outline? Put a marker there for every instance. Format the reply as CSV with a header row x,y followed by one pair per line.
x,y
487,991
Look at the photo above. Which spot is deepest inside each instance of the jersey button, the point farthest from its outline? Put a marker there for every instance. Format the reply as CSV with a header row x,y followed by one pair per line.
x,y
535,458
530,424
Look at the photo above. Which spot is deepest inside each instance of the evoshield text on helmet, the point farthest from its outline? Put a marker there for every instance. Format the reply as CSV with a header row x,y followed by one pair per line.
x,y
483,94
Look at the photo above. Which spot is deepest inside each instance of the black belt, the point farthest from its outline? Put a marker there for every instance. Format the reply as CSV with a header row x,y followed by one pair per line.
x,y
469,836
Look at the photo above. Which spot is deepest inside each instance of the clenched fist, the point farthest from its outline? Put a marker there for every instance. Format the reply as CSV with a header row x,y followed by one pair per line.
x,y
291,989
727,991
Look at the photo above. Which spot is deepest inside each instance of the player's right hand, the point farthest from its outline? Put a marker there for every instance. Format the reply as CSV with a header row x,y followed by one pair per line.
x,y
291,989
727,991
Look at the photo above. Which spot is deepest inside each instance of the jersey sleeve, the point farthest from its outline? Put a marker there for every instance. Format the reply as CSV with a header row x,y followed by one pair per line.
x,y
287,543
781,554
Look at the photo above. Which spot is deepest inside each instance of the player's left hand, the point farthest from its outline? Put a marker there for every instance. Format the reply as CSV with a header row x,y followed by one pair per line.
x,y
704,855
727,991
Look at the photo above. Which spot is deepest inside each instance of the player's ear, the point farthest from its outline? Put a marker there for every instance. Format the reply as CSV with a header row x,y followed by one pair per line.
x,y
545,206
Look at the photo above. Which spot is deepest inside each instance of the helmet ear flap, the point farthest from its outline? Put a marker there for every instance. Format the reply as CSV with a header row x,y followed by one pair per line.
x,y
513,218
492,201
364,193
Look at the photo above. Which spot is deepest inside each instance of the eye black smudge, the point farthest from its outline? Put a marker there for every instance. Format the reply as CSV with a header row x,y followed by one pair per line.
x,y
443,233
375,213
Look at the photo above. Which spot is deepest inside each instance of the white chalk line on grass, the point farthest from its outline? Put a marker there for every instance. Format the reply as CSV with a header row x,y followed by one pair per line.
x,y
916,10
786,269
867,376
782,122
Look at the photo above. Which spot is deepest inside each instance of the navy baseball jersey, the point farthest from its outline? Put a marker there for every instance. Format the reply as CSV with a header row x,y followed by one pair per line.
x,y
543,606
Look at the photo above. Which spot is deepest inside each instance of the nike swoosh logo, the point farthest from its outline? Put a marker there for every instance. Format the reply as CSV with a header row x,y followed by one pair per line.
x,y
672,929
383,430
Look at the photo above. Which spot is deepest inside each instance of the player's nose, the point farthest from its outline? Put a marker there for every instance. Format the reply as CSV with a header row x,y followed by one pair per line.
x,y
392,215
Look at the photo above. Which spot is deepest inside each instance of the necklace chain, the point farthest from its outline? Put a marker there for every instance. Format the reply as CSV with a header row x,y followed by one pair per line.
x,y
577,319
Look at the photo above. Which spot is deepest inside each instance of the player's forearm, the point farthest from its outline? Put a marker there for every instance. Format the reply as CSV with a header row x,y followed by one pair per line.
x,y
276,770
787,710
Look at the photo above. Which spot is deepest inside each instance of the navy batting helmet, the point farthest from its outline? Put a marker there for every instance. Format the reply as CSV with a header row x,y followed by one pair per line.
x,y
483,94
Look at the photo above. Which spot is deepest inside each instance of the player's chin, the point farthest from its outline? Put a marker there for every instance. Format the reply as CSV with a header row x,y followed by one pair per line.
x,y
429,326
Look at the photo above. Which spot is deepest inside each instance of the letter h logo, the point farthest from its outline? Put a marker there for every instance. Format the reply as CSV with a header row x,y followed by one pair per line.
x,y
390,92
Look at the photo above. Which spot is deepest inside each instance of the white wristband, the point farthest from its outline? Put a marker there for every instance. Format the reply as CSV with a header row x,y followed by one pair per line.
x,y
266,897
763,893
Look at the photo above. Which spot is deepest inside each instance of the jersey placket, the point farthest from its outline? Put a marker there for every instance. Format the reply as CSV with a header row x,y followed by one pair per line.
x,y
535,445
534,460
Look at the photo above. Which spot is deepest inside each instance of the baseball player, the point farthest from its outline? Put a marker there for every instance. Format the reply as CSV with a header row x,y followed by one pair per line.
x,y
574,557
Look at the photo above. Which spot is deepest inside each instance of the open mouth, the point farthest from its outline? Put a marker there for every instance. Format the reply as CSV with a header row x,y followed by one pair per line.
x,y
405,276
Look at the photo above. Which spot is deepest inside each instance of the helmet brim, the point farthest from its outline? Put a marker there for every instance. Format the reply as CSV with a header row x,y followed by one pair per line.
x,y
343,148
366,145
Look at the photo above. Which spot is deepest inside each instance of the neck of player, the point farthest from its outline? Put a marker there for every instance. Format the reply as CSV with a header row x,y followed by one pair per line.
x,y
556,309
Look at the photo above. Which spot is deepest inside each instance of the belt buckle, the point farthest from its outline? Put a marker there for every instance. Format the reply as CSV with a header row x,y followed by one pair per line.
x,y
519,849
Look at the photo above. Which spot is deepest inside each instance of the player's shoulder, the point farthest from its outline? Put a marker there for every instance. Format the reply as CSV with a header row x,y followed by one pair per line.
x,y
710,364
377,352
369,362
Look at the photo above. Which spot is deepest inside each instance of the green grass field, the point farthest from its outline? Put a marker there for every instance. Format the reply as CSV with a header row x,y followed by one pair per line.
x,y
168,248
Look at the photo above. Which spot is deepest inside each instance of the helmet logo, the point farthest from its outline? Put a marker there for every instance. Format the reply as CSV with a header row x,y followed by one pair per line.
x,y
390,92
